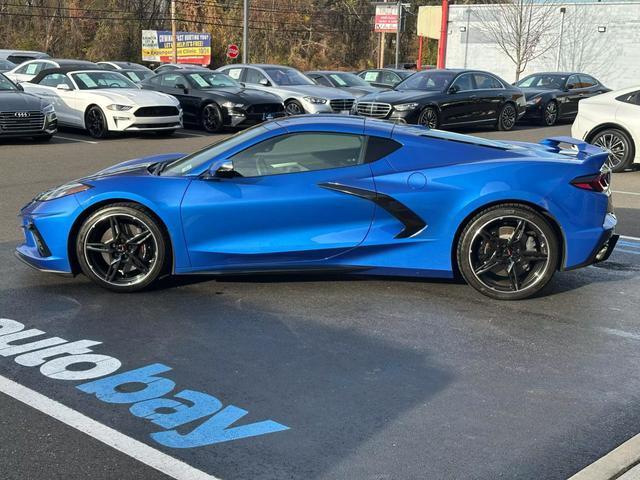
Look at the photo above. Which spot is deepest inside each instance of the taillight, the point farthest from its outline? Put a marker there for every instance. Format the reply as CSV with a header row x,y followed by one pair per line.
x,y
595,183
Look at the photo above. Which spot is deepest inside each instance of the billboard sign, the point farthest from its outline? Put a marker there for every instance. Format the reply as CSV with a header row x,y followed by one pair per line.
x,y
386,19
193,47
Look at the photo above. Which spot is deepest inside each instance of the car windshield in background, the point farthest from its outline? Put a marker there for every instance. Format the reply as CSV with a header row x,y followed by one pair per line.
x,y
6,64
428,81
348,80
405,73
106,79
287,76
547,82
137,75
6,84
213,80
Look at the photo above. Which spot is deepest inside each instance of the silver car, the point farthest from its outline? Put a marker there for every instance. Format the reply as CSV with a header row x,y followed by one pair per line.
x,y
298,92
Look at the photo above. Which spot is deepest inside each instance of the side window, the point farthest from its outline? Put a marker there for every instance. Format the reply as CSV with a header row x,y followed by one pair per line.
x,y
170,80
587,81
234,73
463,82
321,80
55,79
573,82
35,67
389,78
486,82
18,59
300,152
253,76
370,76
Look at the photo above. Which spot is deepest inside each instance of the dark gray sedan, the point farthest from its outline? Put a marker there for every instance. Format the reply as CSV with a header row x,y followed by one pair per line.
x,y
346,81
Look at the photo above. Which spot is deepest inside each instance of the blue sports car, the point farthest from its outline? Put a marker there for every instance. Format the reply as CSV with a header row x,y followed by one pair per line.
x,y
334,193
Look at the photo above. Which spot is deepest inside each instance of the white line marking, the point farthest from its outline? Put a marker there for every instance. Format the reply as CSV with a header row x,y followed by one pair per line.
x,y
625,193
107,435
626,237
75,139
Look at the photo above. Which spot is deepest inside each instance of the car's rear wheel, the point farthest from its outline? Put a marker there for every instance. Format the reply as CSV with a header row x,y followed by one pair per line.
x,y
550,113
508,252
619,146
293,107
96,123
429,118
122,247
507,117
211,118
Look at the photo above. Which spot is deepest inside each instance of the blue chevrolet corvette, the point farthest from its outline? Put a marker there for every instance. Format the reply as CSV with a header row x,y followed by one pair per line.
x,y
334,193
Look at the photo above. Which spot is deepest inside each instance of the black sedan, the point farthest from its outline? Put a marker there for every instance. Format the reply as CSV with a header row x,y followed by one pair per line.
x,y
23,114
447,98
213,100
555,95
347,81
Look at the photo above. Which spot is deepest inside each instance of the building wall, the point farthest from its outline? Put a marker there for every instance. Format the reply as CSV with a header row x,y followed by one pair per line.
x,y
612,56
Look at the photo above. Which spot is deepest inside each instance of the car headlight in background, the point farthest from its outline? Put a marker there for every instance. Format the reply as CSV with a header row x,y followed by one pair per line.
x,y
119,108
316,100
48,108
233,105
534,101
403,107
62,191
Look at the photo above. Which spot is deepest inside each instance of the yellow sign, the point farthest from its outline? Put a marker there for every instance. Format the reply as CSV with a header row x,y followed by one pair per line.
x,y
429,21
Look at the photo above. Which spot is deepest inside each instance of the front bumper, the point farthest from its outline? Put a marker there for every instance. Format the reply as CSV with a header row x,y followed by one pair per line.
x,y
49,127
127,122
233,117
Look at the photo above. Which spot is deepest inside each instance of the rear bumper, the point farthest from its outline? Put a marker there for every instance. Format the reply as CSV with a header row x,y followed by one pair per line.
x,y
599,248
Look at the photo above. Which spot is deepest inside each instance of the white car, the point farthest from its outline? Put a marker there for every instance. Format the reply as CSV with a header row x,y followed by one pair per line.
x,y
612,121
103,101
25,72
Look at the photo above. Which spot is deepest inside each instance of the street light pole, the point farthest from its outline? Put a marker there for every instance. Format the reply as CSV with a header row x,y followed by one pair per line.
x,y
245,33
174,35
562,12
399,24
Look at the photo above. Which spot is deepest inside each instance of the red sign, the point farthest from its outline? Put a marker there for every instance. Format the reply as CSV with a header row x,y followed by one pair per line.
x,y
233,51
386,19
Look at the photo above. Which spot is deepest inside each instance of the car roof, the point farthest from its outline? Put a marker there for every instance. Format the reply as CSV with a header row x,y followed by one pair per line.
x,y
259,65
555,73
68,69
6,52
328,72
67,61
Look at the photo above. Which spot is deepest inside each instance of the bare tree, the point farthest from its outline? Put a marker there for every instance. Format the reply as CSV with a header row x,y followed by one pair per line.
x,y
522,29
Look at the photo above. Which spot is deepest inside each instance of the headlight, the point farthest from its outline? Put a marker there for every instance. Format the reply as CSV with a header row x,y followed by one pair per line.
x,y
62,191
233,105
316,100
403,107
534,101
119,108
48,109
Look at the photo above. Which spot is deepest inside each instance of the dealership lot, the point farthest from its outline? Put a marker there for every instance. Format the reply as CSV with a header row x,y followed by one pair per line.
x,y
375,379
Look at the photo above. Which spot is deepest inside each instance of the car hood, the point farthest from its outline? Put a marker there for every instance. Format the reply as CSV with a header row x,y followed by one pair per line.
x,y
315,91
136,165
360,90
20,101
536,92
142,98
245,95
398,96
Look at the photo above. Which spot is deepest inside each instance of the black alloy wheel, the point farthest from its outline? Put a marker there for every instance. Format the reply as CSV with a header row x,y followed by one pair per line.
x,y
508,252
619,146
294,107
211,119
121,247
550,113
96,123
507,117
429,118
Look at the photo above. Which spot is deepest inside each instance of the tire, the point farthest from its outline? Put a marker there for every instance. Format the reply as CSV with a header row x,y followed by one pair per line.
x,y
508,252
429,118
96,123
293,107
549,114
507,117
211,118
121,247
619,145
43,138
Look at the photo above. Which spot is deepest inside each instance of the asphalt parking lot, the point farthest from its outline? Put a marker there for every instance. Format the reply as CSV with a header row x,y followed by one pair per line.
x,y
374,379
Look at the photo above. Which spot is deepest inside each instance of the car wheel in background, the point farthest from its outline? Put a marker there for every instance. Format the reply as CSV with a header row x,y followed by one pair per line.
x,y
211,118
550,113
429,118
619,145
122,247
293,107
507,117
96,123
508,252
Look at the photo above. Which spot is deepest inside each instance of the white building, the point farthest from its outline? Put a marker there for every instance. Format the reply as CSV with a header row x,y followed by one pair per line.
x,y
598,38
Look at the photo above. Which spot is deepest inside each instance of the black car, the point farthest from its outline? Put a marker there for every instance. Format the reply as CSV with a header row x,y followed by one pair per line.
x,y
553,96
385,77
214,100
447,98
347,81
23,114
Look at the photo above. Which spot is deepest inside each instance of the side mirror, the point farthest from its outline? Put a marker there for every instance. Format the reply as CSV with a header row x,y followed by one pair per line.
x,y
265,82
63,86
225,170
183,87
20,87
454,89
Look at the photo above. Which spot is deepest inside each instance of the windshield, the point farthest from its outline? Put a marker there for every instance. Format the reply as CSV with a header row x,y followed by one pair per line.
x,y
106,79
184,165
6,64
546,82
431,81
287,76
6,84
137,75
347,80
212,80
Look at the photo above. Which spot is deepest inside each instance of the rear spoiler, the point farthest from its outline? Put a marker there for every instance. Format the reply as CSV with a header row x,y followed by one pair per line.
x,y
594,156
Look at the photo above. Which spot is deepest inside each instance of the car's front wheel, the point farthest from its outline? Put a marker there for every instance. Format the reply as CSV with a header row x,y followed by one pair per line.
x,y
96,123
122,247
211,118
508,252
507,117
429,118
293,107
550,114
619,146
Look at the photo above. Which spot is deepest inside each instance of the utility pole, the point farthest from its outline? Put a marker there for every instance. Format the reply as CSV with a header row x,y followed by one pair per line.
x,y
245,33
398,26
559,55
174,36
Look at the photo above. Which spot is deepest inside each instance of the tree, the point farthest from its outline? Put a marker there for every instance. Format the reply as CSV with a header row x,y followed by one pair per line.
x,y
522,29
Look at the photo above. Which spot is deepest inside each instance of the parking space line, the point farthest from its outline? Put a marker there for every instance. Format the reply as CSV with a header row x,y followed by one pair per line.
x,y
133,448
76,140
625,193
627,237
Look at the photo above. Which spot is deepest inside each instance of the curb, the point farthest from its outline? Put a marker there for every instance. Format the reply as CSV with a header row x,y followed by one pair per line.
x,y
614,464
